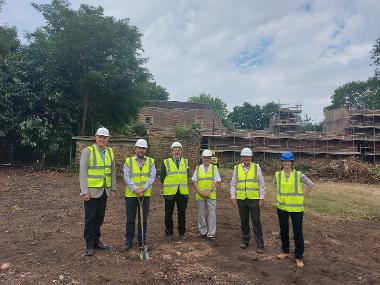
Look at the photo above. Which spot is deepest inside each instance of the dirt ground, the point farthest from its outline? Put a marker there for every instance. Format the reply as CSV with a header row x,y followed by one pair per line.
x,y
41,237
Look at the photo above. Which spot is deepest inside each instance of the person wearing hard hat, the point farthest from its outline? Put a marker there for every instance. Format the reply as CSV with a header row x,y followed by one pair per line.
x,y
174,178
97,177
139,174
248,194
290,198
206,179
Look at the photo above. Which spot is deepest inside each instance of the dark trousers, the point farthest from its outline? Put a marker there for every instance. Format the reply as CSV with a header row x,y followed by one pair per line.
x,y
94,211
297,217
170,202
250,207
132,207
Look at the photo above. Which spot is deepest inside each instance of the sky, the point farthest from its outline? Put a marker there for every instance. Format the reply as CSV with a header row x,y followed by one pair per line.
x,y
290,52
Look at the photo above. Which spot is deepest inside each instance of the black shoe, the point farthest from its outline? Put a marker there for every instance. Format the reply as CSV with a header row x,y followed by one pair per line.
x,y
126,247
89,251
169,238
212,239
203,235
182,237
243,245
100,245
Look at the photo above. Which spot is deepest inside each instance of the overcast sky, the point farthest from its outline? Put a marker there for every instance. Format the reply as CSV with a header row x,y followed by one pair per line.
x,y
244,50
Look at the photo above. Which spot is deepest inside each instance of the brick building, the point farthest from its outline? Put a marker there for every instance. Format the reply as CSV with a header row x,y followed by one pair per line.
x,y
166,115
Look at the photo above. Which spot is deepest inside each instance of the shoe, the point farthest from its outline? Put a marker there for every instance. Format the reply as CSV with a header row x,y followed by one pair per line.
x,y
100,245
126,247
89,251
203,235
260,250
243,245
169,238
282,256
299,263
182,237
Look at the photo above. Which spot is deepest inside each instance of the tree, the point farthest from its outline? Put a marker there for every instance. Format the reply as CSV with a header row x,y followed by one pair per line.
x,y
375,55
218,105
152,91
357,95
253,117
93,61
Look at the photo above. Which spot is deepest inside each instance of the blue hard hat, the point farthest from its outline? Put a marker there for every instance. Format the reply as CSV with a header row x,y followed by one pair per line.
x,y
287,155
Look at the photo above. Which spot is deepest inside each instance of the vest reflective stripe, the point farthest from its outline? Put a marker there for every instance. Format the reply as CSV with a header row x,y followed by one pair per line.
x,y
247,184
290,196
206,180
176,177
99,171
139,176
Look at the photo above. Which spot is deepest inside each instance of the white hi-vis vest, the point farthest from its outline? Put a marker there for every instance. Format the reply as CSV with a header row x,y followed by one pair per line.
x,y
247,184
206,180
139,176
290,195
99,172
176,177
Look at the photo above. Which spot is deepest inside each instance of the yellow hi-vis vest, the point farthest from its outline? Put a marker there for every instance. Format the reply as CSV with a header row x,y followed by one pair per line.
x,y
289,192
247,184
176,177
206,180
139,176
99,172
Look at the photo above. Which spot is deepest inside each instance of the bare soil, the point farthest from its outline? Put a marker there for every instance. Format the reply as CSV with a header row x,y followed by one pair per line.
x,y
41,237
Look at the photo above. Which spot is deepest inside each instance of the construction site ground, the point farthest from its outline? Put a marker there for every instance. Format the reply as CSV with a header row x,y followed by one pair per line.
x,y
42,242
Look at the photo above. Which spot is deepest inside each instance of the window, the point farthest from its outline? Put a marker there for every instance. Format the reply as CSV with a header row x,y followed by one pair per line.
x,y
149,120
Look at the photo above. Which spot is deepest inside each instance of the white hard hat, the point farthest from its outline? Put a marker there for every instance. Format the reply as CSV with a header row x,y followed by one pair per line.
x,y
102,132
246,152
176,144
141,143
207,153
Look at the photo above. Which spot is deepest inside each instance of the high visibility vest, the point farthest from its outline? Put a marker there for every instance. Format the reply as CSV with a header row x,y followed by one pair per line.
x,y
139,176
176,177
99,171
289,192
206,180
247,184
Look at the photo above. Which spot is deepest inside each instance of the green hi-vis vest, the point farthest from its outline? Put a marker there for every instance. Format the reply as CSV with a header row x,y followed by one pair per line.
x,y
138,176
206,180
176,177
99,172
247,184
289,192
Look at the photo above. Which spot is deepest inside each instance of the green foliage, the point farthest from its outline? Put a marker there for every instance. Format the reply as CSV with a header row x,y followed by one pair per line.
x,y
357,95
253,117
134,128
308,125
218,105
181,132
375,55
195,126
153,91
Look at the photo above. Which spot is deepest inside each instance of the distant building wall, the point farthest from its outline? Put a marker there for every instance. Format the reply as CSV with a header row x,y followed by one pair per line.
x,y
159,148
161,115
335,120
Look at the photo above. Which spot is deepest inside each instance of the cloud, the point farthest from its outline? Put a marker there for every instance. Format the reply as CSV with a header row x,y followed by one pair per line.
x,y
254,51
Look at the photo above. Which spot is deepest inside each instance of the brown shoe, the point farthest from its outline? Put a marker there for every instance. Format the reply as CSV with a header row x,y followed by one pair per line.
x,y
282,256
299,263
